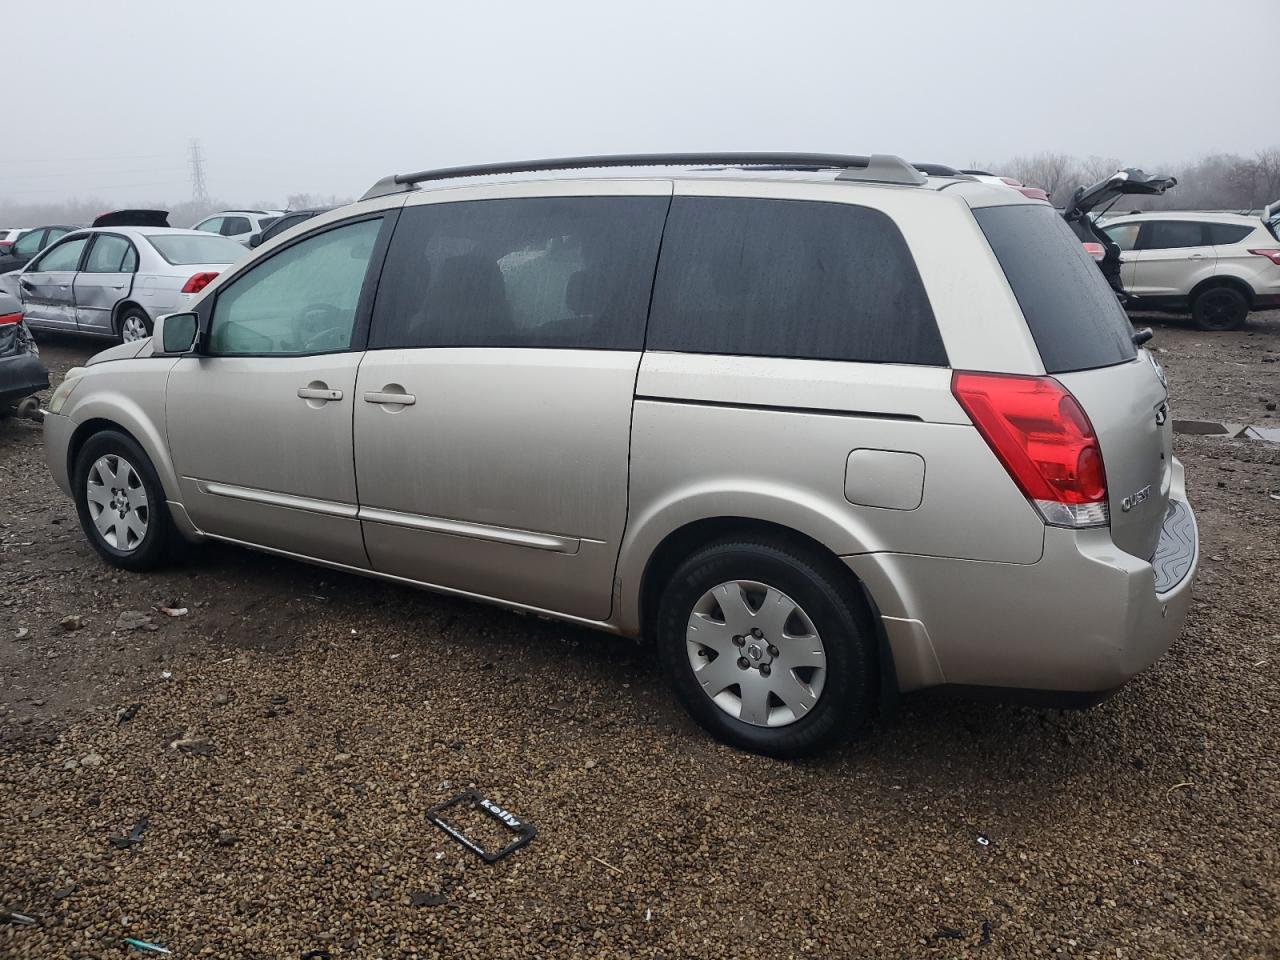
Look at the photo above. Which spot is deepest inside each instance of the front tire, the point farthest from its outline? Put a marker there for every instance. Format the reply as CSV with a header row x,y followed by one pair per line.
x,y
766,648
134,325
120,502
1219,309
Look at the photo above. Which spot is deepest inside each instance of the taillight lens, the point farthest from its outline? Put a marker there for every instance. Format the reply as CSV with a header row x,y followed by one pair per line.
x,y
1042,436
198,281
1271,253
7,318
1095,250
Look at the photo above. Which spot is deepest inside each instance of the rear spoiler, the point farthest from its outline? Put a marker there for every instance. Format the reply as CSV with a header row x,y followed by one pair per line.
x,y
132,218
1271,210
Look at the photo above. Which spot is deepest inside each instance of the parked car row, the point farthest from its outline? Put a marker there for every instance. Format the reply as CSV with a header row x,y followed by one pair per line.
x,y
821,428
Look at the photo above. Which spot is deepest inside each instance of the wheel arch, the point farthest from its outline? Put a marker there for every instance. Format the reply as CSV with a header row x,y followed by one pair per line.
x,y
686,540
114,411
119,310
1222,280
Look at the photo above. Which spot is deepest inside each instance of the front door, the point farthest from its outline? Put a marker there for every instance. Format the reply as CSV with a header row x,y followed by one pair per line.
x,y
493,409
106,279
46,285
259,424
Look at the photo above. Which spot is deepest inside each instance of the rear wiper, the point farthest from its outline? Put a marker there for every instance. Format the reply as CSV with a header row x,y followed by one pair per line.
x,y
1142,336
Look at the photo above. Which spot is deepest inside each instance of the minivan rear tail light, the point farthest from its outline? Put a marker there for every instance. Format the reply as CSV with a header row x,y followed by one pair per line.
x,y
198,281
1042,436
1271,253
8,318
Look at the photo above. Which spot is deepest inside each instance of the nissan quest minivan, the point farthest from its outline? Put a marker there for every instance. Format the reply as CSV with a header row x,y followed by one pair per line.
x,y
820,428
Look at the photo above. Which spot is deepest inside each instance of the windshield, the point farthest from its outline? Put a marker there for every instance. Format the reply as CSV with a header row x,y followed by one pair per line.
x,y
180,248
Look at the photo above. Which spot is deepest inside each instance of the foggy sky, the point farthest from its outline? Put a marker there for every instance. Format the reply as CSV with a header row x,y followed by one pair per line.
x,y
326,97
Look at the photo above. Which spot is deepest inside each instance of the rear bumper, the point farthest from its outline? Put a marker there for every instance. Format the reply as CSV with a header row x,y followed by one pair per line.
x,y
1084,619
20,376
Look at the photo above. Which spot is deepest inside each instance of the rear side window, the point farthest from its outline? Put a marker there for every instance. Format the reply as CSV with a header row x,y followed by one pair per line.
x,y
790,278
570,272
1224,233
108,254
1075,318
234,226
1171,235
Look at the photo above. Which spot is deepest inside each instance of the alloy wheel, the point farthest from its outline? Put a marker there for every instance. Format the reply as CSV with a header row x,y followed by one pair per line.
x,y
133,327
1218,310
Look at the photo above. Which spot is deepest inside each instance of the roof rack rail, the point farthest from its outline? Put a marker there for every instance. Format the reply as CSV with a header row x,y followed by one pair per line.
x,y
879,168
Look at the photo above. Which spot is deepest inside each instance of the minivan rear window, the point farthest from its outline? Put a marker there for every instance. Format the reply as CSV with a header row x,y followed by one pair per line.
x,y
790,278
1074,316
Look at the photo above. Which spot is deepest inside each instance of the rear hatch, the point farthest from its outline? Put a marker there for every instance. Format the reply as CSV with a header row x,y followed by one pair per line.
x,y
1086,343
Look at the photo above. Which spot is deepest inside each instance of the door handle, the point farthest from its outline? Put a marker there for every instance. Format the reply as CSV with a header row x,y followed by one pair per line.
x,y
1196,256
391,398
319,393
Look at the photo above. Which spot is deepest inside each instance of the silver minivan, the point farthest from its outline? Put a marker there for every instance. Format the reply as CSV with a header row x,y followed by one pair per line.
x,y
821,429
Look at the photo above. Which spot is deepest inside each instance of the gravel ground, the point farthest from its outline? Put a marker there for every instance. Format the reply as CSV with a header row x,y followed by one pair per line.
x,y
318,716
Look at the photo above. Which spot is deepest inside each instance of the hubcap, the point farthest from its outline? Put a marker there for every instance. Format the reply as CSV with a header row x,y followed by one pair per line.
x,y
134,328
756,653
117,502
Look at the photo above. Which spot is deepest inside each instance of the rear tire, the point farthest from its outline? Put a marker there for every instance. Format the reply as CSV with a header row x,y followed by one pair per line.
x,y
810,676
1218,309
120,502
134,325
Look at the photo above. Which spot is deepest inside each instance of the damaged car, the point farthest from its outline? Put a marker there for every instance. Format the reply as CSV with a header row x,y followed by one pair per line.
x,y
21,372
113,281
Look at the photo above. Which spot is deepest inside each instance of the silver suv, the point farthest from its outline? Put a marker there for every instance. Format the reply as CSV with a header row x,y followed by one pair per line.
x,y
1217,265
821,428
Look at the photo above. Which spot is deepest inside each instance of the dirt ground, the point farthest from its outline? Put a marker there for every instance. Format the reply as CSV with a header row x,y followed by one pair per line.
x,y
320,715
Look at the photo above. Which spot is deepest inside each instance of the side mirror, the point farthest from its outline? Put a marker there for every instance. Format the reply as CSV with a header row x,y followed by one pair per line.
x,y
175,335
255,241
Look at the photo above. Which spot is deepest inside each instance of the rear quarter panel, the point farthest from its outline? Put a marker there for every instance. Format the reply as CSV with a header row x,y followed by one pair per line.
x,y
770,438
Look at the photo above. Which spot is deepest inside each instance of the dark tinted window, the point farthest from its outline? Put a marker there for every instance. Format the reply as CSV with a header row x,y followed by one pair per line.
x,y
569,272
1171,234
287,222
790,278
1223,233
234,226
1075,318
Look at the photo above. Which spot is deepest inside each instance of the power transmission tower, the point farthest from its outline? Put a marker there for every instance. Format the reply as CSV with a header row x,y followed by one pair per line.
x,y
199,192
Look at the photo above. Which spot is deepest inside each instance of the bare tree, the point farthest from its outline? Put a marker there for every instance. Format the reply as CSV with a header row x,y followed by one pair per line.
x,y
1055,173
